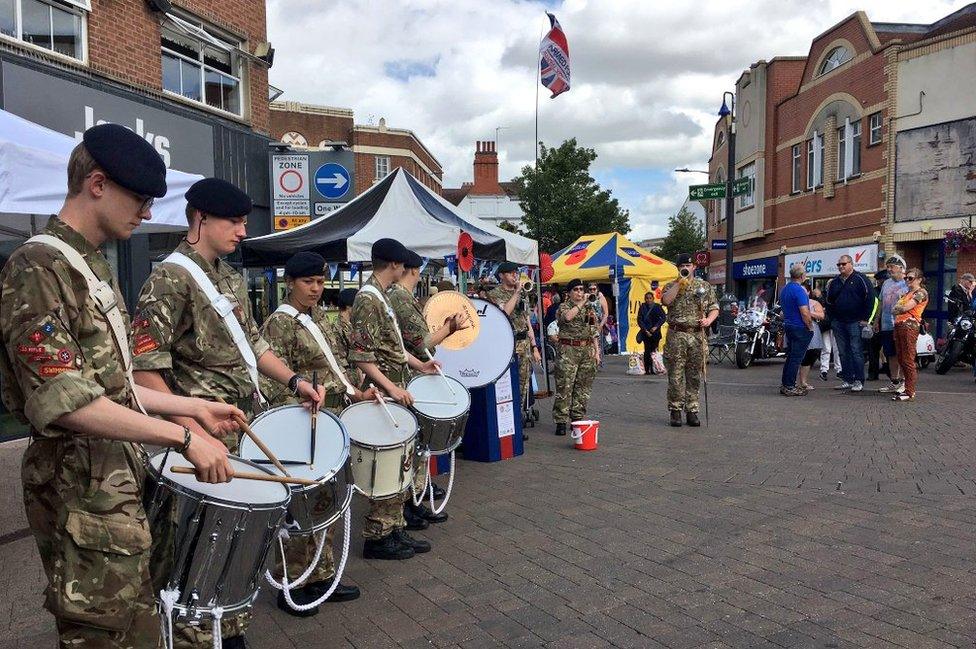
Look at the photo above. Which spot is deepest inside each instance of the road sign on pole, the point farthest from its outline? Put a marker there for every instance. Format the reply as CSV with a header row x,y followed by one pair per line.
x,y
741,186
332,180
706,192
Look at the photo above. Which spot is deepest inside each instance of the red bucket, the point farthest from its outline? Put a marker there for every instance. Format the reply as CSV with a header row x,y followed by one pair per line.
x,y
586,434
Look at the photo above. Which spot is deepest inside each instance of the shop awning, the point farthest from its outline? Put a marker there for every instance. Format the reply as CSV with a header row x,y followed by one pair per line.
x,y
33,180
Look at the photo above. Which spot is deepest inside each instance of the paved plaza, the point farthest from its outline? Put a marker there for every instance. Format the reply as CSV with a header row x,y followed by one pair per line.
x,y
835,520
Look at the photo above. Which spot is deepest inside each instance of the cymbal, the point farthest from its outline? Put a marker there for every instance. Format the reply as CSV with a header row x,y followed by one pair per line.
x,y
442,305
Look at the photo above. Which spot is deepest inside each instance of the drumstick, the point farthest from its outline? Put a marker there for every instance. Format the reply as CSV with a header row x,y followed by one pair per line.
x,y
260,444
379,398
436,403
315,416
449,386
263,477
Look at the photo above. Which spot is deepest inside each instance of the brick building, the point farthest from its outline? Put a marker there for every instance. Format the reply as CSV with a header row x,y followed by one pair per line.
x,y
378,149
830,136
189,79
486,197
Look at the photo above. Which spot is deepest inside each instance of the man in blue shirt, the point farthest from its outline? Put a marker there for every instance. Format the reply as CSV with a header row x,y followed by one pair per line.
x,y
798,327
850,300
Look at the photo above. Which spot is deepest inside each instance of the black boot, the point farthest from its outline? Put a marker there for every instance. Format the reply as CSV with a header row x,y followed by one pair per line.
x,y
561,429
414,520
300,596
676,418
418,546
237,642
692,419
423,512
438,492
342,593
388,548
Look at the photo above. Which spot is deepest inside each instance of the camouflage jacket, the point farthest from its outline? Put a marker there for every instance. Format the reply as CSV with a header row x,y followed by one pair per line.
x,y
374,336
178,333
520,324
580,327
692,303
343,338
413,326
58,351
292,343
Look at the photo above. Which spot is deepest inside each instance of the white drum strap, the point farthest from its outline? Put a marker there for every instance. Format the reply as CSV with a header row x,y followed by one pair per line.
x,y
103,295
375,292
225,309
319,337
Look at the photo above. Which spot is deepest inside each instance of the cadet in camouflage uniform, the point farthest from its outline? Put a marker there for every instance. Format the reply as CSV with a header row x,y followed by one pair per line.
x,y
418,341
576,369
508,295
182,345
377,349
297,347
63,373
691,310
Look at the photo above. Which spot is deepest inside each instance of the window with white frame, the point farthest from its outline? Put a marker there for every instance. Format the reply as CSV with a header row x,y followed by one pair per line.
x,y
797,168
719,203
849,149
836,58
382,166
874,128
815,151
749,198
201,64
55,25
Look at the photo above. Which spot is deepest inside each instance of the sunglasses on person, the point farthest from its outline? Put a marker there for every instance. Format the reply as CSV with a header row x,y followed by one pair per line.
x,y
841,264
910,278
593,288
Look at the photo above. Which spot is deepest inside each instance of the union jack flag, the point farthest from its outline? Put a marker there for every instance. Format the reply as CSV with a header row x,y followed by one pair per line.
x,y
554,59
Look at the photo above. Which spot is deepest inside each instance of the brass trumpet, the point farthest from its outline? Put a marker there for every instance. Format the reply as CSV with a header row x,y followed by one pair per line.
x,y
528,287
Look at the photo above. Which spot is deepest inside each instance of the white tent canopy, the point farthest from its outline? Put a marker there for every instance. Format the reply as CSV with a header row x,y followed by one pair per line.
x,y
399,207
33,180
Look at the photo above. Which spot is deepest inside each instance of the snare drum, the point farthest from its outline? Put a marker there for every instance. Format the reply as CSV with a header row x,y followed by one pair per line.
x,y
381,454
210,541
488,357
287,431
442,410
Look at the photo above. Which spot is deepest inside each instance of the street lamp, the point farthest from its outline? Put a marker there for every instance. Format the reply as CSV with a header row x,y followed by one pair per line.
x,y
686,170
727,111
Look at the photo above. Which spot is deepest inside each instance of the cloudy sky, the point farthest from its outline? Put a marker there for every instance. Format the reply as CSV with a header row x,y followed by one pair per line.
x,y
647,81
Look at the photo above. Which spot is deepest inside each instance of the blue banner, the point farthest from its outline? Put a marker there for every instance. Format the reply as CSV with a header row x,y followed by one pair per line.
x,y
765,267
353,269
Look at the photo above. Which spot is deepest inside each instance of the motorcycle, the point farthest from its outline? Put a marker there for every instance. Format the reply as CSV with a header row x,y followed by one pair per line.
x,y
960,340
759,334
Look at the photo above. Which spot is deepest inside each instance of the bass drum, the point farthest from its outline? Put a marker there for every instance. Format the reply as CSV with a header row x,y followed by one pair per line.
x,y
287,432
488,357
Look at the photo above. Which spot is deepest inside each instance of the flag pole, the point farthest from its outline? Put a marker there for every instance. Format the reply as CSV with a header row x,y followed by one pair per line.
x,y
538,82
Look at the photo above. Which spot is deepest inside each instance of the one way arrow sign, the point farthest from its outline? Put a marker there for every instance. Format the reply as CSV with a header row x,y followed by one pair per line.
x,y
332,180
338,181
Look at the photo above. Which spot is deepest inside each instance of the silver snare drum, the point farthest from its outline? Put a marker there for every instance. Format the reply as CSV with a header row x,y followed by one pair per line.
x,y
210,541
381,453
287,432
442,408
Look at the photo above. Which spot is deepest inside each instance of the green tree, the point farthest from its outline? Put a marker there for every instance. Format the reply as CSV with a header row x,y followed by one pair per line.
x,y
508,226
561,200
686,233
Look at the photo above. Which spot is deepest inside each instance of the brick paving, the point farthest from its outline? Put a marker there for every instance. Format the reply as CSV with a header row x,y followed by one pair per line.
x,y
835,520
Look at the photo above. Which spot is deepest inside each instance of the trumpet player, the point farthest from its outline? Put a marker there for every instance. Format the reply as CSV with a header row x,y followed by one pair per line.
x,y
511,297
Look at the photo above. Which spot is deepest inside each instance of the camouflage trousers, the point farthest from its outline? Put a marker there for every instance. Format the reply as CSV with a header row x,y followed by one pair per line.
x,y
684,358
421,466
523,352
83,500
299,553
574,383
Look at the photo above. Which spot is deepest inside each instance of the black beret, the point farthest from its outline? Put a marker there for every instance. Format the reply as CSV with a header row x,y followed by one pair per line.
x,y
506,267
127,158
218,197
573,283
414,261
305,264
683,258
347,296
389,250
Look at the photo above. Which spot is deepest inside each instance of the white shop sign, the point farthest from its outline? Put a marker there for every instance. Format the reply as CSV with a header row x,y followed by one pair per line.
x,y
823,263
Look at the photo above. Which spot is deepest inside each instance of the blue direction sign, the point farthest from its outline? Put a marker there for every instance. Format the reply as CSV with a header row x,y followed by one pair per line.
x,y
332,180
720,244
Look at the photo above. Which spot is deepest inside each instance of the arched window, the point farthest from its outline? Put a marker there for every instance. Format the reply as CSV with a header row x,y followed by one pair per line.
x,y
294,138
720,140
834,59
719,203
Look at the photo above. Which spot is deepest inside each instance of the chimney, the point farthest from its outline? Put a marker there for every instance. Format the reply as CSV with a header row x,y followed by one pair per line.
x,y
486,170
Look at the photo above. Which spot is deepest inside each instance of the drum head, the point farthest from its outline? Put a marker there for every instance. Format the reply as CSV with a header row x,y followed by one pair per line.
x,y
433,387
287,431
368,424
489,356
237,492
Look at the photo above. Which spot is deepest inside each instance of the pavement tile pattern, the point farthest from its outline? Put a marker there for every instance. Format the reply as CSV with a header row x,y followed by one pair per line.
x,y
833,520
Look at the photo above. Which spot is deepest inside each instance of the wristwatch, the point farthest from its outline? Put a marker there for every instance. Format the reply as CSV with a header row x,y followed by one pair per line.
x,y
293,382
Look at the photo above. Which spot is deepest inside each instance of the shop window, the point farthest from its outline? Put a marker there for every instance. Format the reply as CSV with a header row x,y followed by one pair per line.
x,y
836,58
797,168
749,198
874,128
54,25
382,167
849,139
201,65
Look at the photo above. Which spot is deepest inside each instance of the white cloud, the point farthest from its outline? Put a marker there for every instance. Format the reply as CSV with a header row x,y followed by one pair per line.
x,y
647,76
